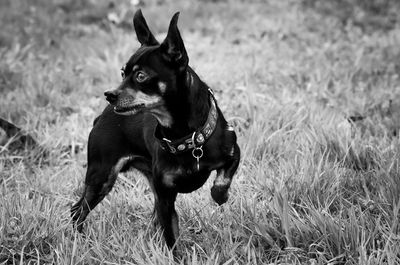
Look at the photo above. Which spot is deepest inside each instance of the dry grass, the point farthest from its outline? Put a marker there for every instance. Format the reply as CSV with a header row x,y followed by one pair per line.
x,y
312,188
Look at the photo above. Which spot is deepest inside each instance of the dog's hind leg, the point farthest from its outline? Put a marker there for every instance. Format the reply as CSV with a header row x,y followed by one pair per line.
x,y
222,182
92,195
99,182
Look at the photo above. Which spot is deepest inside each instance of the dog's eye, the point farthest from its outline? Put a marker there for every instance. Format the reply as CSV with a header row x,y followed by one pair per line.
x,y
122,74
141,76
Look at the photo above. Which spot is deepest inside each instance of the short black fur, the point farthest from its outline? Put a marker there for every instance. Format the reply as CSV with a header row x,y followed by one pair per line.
x,y
159,90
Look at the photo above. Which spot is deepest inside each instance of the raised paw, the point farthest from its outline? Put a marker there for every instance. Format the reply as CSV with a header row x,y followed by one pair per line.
x,y
219,194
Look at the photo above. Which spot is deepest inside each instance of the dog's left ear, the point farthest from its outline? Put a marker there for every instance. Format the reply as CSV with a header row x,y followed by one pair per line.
x,y
173,48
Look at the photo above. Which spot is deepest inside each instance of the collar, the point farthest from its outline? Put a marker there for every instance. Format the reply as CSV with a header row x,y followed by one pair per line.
x,y
195,139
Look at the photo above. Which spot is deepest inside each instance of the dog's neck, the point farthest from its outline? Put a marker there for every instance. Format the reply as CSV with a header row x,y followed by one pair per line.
x,y
189,108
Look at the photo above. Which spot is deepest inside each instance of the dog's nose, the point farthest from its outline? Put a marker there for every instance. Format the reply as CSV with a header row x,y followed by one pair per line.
x,y
111,96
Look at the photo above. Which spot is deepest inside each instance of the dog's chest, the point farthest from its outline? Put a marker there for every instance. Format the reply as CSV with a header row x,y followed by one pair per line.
x,y
184,178
185,173
170,176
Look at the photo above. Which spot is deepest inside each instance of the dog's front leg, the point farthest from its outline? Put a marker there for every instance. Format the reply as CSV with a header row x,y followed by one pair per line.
x,y
222,182
166,214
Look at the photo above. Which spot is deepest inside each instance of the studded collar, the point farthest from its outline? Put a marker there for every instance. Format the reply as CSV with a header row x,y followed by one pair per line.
x,y
195,139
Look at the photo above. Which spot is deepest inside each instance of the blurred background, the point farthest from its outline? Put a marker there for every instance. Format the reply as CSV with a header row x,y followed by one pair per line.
x,y
311,86
58,57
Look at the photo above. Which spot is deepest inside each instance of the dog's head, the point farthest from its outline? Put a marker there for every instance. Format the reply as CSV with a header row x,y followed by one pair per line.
x,y
152,73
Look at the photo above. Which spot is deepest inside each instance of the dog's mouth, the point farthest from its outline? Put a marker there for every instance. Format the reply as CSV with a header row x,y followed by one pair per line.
x,y
129,110
133,109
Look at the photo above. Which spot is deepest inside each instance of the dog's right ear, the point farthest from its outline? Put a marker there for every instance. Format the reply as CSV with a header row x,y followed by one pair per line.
x,y
143,33
173,47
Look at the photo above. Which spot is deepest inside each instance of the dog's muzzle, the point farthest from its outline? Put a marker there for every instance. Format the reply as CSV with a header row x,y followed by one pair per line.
x,y
111,96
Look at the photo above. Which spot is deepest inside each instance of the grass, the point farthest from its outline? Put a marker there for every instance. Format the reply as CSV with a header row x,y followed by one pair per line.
x,y
312,188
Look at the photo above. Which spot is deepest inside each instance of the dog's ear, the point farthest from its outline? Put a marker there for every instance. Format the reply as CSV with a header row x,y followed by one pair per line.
x,y
143,33
173,48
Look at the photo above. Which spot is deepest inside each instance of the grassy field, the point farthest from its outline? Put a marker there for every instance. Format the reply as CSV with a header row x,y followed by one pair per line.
x,y
312,87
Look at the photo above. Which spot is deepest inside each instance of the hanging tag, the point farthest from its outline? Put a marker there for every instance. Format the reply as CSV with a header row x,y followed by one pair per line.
x,y
197,153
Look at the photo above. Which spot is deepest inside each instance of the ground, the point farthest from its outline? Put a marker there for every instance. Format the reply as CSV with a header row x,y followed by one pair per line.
x,y
312,88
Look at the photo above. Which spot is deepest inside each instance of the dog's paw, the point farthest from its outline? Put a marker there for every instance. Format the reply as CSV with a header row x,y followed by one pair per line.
x,y
219,194
76,213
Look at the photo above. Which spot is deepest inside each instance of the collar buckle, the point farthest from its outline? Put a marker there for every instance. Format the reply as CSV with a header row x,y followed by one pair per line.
x,y
170,146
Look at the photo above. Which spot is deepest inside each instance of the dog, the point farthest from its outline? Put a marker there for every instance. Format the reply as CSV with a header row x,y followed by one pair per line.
x,y
165,122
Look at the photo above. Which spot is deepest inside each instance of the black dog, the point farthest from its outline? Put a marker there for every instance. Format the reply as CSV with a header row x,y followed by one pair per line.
x,y
165,122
